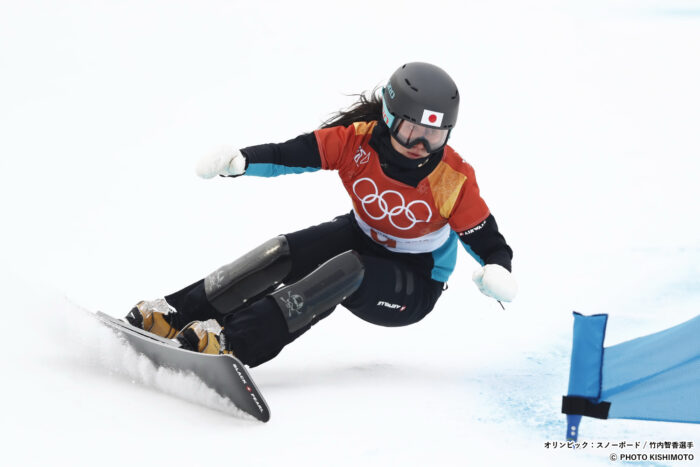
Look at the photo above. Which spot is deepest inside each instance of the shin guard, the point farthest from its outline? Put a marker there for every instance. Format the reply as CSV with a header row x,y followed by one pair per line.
x,y
322,289
256,272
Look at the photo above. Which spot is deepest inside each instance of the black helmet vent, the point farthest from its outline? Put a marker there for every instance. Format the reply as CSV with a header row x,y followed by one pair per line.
x,y
410,85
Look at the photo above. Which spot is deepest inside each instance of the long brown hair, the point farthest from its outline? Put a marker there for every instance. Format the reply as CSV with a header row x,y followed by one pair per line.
x,y
367,108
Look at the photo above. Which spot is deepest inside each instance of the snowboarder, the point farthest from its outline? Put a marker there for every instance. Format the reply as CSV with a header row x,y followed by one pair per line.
x,y
387,261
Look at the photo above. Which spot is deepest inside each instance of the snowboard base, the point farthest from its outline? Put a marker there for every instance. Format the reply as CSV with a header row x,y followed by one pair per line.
x,y
225,374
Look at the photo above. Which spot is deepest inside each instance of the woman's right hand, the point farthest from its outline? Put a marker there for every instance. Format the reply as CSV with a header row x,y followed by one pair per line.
x,y
225,161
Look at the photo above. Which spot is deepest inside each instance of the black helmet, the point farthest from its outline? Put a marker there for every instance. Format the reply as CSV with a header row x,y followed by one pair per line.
x,y
424,95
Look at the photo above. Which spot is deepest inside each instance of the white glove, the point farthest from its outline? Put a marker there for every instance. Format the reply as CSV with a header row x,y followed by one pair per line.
x,y
496,282
224,161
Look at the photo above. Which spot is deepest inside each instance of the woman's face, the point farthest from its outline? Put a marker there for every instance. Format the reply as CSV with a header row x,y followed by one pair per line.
x,y
417,151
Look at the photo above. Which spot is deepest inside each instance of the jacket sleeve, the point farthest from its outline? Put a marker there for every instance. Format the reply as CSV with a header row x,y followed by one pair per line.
x,y
326,149
476,226
297,155
486,244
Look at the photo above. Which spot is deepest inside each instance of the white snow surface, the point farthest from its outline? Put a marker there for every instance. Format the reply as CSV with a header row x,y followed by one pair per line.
x,y
581,120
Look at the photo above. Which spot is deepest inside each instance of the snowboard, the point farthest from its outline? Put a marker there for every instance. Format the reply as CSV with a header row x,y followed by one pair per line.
x,y
225,374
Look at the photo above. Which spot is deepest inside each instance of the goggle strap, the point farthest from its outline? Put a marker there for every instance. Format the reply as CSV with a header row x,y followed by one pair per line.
x,y
388,117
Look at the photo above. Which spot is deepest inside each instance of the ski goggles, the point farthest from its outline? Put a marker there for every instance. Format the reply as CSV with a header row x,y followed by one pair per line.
x,y
409,134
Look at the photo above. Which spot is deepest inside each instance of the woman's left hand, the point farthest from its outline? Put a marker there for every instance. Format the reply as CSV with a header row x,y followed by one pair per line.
x,y
495,281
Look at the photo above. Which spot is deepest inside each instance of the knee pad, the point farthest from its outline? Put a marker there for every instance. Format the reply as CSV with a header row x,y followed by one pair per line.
x,y
256,272
322,289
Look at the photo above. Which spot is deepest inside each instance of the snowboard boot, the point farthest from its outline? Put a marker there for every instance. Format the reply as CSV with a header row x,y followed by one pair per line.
x,y
203,337
153,316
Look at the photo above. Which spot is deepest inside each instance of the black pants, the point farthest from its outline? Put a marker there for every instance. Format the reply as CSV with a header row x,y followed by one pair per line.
x,y
396,291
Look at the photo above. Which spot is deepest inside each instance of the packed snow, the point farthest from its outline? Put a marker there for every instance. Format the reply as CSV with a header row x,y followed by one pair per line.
x,y
580,118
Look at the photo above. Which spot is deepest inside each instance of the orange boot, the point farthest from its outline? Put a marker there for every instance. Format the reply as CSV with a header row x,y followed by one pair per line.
x,y
203,336
152,316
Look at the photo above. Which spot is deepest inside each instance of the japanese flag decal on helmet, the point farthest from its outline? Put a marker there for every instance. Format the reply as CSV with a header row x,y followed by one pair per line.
x,y
432,118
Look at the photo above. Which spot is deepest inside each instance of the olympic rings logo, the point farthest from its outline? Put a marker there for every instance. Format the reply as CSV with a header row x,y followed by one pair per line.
x,y
393,212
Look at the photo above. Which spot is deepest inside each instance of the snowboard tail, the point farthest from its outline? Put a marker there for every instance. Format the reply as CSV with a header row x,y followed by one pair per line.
x,y
225,374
